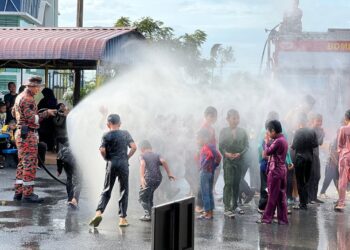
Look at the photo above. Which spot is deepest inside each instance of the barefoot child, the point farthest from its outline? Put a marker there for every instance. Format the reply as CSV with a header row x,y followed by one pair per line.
x,y
151,177
114,149
66,162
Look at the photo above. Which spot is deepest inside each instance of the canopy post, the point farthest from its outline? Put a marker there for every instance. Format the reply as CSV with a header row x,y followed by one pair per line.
x,y
76,92
46,77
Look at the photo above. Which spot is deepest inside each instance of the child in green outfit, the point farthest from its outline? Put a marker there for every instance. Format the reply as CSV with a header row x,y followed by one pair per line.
x,y
233,144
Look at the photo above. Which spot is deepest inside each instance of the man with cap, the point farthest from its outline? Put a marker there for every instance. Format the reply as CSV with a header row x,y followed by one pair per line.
x,y
26,113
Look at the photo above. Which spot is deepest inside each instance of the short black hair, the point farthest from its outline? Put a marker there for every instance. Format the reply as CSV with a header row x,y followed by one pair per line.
x,y
114,119
232,112
12,121
347,114
20,90
10,83
145,144
2,104
210,111
274,125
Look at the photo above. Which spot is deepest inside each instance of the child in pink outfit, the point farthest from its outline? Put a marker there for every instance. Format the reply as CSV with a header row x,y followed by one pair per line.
x,y
344,161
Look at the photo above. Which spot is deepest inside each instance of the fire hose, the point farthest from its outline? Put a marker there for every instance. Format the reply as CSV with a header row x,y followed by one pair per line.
x,y
42,164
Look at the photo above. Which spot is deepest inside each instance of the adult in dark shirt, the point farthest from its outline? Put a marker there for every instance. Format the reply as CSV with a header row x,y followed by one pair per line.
x,y
60,121
114,149
9,100
316,124
304,142
47,127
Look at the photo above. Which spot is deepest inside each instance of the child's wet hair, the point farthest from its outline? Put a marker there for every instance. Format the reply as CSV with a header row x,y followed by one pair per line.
x,y
232,113
12,122
210,111
347,115
274,125
113,119
145,144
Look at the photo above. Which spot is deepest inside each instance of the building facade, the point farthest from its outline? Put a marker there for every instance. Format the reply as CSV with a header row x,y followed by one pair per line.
x,y
25,13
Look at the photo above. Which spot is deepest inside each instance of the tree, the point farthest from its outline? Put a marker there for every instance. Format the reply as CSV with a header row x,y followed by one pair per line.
x,y
154,30
220,56
123,22
187,47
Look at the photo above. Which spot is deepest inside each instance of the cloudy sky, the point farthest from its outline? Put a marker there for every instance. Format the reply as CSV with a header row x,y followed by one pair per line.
x,y
238,23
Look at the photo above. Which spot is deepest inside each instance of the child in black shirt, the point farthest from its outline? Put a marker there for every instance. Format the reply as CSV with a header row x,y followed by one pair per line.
x,y
304,142
114,149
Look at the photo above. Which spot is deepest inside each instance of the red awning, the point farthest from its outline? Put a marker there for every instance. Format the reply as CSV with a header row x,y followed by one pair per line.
x,y
58,43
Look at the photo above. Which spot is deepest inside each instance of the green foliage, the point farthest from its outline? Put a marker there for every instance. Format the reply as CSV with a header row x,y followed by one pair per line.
x,y
123,22
154,30
84,91
219,56
187,47
88,88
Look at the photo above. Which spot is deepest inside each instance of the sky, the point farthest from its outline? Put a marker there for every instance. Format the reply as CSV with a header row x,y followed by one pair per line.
x,y
237,23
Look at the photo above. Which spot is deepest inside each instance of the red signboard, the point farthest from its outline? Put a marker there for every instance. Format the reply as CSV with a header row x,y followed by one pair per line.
x,y
313,46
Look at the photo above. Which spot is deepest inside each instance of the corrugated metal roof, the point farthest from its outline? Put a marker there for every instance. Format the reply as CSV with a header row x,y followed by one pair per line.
x,y
59,43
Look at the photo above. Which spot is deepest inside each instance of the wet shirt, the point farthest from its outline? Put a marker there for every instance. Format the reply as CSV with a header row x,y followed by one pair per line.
x,y
304,142
210,158
344,142
233,141
116,143
211,130
320,136
152,168
277,151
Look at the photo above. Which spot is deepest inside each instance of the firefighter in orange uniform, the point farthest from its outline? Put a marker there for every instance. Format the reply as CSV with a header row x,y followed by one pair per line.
x,y
26,113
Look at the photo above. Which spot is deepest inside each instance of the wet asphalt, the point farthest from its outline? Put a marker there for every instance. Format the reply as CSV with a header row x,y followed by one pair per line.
x,y
52,225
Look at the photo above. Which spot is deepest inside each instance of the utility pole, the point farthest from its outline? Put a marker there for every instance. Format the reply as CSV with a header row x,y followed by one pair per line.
x,y
80,12
77,72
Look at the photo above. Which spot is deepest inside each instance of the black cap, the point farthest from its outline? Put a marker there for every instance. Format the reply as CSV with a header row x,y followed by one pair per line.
x,y
113,118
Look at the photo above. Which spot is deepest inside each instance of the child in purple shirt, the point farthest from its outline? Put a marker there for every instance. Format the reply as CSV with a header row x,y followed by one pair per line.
x,y
276,150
